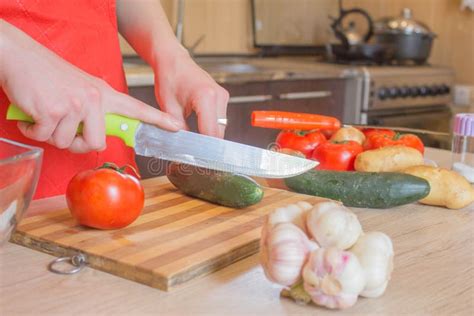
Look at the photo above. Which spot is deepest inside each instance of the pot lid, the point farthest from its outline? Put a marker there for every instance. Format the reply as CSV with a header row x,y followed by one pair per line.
x,y
402,24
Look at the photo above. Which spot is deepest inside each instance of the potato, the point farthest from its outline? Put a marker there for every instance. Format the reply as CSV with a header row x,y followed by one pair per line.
x,y
448,188
348,133
391,158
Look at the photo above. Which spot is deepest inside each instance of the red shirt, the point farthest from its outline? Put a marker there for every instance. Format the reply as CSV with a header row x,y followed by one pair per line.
x,y
85,34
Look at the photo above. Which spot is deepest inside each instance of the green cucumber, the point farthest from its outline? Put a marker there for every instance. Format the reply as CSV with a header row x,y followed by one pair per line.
x,y
361,189
223,188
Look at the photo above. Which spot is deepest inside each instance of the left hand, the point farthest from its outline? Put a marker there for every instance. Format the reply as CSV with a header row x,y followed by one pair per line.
x,y
182,87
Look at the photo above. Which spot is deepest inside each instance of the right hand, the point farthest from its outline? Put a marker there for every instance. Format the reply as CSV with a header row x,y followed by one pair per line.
x,y
59,96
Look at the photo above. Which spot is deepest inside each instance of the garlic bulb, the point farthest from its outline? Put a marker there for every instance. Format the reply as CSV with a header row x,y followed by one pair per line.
x,y
333,278
293,213
375,253
284,250
333,225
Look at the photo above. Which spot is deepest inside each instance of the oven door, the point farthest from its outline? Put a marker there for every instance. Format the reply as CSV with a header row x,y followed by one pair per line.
x,y
436,118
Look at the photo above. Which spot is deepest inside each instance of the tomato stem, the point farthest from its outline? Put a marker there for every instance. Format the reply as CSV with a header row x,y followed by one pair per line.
x,y
303,132
135,172
109,165
113,166
397,136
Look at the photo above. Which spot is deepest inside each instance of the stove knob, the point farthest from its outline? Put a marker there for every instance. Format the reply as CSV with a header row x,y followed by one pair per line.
x,y
424,91
382,93
435,90
445,89
430,91
404,91
393,93
414,92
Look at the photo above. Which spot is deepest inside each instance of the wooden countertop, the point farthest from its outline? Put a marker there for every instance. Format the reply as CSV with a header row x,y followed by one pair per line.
x,y
244,69
434,274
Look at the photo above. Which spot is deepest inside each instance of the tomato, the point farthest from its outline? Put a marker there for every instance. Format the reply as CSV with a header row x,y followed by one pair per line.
x,y
337,156
381,140
291,152
105,198
302,141
368,132
329,132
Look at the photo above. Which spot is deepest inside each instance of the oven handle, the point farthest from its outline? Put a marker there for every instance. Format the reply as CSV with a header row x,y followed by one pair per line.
x,y
249,99
305,95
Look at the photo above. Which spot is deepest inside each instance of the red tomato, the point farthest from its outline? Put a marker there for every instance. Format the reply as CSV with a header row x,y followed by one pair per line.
x,y
302,141
381,140
328,132
105,198
337,156
368,132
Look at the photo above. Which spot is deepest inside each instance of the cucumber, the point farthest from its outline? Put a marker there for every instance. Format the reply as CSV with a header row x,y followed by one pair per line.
x,y
361,189
223,188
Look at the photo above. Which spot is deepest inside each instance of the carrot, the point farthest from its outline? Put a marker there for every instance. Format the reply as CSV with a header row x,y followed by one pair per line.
x,y
290,120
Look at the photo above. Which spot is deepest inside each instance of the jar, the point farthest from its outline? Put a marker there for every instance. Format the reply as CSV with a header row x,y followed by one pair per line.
x,y
463,145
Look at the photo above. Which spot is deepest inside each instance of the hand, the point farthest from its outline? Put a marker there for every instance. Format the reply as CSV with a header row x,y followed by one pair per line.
x,y
181,87
59,96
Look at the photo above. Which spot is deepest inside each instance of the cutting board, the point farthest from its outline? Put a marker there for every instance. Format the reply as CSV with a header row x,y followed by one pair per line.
x,y
176,238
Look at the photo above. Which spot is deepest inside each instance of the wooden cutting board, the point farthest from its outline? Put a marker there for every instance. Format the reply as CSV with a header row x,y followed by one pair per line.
x,y
177,238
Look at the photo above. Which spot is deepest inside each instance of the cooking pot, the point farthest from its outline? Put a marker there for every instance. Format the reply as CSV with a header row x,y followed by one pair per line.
x,y
412,39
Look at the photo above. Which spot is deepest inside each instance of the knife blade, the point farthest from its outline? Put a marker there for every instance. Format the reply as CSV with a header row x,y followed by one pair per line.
x,y
196,149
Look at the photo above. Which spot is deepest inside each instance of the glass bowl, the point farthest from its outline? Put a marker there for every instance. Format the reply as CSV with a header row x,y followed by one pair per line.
x,y
20,167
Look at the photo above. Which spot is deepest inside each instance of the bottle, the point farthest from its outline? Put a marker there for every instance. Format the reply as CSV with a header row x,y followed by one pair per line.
x,y
463,145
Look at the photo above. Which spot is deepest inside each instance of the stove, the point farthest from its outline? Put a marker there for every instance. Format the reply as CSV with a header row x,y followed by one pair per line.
x,y
414,96
403,87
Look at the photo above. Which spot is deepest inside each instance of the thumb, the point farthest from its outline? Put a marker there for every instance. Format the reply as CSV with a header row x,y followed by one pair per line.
x,y
128,106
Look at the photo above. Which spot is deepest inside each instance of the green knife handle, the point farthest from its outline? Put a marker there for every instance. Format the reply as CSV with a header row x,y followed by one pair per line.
x,y
115,125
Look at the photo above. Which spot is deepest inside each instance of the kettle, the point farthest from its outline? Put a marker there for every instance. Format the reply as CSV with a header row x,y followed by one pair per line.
x,y
349,36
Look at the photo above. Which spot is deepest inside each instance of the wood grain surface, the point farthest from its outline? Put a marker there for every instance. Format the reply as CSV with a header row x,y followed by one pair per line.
x,y
176,238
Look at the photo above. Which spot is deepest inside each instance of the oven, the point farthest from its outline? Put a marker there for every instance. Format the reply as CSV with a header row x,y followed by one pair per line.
x,y
409,96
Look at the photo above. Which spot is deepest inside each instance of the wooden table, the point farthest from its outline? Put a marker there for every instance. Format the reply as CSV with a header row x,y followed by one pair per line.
x,y
434,274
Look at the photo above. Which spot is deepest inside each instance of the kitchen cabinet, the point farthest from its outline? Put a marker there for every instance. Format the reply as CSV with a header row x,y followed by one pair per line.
x,y
321,96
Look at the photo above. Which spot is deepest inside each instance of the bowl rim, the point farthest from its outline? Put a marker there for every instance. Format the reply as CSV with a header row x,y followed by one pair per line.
x,y
33,151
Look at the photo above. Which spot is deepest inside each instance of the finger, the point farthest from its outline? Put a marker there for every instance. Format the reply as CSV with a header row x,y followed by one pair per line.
x,y
93,135
204,104
222,100
173,108
40,131
65,132
130,107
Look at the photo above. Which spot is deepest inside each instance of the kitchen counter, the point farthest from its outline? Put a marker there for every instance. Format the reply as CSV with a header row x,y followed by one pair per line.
x,y
434,274
244,69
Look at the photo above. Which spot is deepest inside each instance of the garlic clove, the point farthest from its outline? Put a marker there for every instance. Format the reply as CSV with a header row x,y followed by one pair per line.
x,y
375,291
333,278
375,253
283,252
333,225
293,213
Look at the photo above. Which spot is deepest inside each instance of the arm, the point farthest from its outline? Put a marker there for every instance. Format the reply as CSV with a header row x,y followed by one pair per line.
x,y
59,96
180,85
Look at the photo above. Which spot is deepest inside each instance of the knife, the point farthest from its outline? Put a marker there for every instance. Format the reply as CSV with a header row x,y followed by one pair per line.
x,y
195,149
